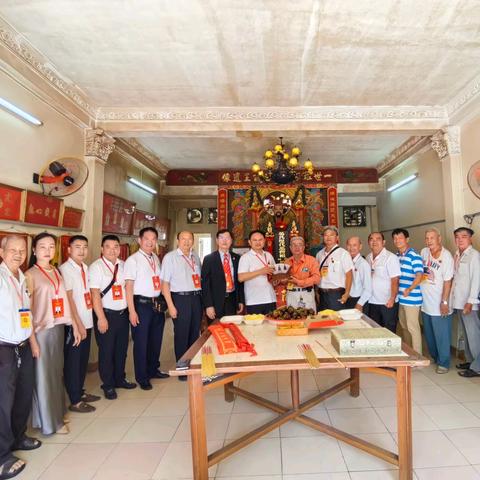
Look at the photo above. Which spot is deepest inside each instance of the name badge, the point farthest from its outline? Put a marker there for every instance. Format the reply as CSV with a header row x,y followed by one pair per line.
x,y
57,307
117,292
25,318
156,283
88,300
324,271
196,280
290,286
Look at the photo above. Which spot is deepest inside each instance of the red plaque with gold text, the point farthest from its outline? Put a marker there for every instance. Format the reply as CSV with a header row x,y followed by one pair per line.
x,y
117,214
10,203
72,218
42,209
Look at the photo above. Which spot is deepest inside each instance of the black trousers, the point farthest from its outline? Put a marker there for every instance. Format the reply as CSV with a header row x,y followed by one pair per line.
x,y
262,308
16,392
75,364
385,317
186,327
112,348
147,341
229,307
330,299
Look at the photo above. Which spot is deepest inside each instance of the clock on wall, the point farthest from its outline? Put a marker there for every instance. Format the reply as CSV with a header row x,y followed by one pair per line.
x,y
473,178
194,215
354,217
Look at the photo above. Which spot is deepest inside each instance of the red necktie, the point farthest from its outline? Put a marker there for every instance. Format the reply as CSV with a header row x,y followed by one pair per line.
x,y
228,272
84,278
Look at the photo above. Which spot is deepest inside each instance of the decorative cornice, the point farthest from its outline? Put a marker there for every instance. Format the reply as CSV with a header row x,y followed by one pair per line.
x,y
235,114
401,153
132,148
466,96
18,45
98,144
446,142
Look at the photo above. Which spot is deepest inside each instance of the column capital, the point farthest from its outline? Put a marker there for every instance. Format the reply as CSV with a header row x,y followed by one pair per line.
x,y
98,144
446,141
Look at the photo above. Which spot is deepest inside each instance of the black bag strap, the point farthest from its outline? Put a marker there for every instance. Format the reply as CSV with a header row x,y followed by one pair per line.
x,y
111,284
328,254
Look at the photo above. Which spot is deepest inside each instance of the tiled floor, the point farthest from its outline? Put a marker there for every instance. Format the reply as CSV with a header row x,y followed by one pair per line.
x,y
145,435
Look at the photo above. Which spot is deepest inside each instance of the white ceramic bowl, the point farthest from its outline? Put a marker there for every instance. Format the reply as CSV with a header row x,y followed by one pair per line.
x,y
350,314
236,319
256,321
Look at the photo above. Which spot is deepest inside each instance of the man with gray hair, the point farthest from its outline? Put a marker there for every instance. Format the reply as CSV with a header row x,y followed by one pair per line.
x,y
303,275
16,357
336,271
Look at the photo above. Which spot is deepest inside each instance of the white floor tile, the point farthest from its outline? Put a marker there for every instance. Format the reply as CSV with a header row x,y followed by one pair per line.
x,y
447,417
372,380
311,455
307,382
420,420
466,392
38,462
216,428
165,406
262,383
343,399
242,423
318,476
285,398
105,430
447,473
429,395
381,397
296,429
376,475
474,407
153,429
132,407
242,405
262,457
357,420
467,440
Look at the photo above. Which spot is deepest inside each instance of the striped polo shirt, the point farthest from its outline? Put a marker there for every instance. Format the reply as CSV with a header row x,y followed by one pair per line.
x,y
410,264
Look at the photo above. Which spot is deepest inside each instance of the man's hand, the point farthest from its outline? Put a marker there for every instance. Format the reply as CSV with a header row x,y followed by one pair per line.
x,y
344,298
210,311
133,316
444,309
359,307
82,330
35,347
102,325
292,280
267,270
406,292
173,312
240,308
77,337
390,303
467,308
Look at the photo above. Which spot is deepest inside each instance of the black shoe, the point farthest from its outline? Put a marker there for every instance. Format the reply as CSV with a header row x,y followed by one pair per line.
x,y
145,385
127,385
27,443
110,394
463,366
469,373
160,374
183,378
89,398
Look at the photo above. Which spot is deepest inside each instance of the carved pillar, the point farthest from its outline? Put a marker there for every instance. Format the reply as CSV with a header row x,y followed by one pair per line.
x,y
98,146
446,144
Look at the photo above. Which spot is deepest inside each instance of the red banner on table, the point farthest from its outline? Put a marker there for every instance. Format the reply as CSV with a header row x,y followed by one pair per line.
x,y
332,206
10,203
222,205
141,220
117,214
43,209
72,218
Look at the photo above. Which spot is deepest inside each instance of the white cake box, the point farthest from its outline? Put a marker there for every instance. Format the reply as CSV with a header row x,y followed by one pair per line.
x,y
353,342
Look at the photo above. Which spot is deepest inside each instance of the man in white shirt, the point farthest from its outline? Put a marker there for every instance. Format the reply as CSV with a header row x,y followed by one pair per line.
x,y
464,299
336,271
16,360
143,287
255,270
107,286
75,276
361,290
385,270
438,267
181,287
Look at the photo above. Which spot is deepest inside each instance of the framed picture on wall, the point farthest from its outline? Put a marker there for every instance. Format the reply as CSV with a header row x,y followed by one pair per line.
x,y
355,216
194,215
212,215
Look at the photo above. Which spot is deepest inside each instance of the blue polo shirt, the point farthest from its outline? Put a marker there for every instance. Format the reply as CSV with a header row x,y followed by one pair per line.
x,y
410,264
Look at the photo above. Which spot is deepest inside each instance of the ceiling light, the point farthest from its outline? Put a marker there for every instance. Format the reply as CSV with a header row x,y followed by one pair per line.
x,y
142,185
19,112
409,179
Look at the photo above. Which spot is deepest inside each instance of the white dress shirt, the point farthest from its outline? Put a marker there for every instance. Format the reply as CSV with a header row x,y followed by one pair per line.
x,y
384,267
466,280
100,275
11,330
335,267
362,280
142,268
178,271
72,279
258,290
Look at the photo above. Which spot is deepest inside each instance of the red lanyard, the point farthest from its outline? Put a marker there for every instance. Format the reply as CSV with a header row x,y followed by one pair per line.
x,y
265,263
107,265
151,262
84,278
17,291
192,265
55,287
458,259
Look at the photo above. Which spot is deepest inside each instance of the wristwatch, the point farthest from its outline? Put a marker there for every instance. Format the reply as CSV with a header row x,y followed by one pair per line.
x,y
444,302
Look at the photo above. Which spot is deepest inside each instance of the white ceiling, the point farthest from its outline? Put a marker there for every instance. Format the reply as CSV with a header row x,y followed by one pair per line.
x,y
269,53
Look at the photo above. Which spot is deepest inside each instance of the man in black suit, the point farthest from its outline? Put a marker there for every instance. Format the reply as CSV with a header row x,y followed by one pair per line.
x,y
222,294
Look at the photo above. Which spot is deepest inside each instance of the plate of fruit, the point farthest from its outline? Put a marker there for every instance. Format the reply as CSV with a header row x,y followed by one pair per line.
x,y
285,314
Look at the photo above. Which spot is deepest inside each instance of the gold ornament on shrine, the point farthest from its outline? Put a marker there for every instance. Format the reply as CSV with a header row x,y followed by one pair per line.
x,y
281,166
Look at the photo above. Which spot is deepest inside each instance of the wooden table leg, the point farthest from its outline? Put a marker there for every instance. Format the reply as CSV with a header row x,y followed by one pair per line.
x,y
198,428
295,385
404,421
229,395
355,385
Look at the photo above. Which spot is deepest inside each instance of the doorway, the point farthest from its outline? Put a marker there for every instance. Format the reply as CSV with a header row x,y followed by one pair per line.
x,y
202,244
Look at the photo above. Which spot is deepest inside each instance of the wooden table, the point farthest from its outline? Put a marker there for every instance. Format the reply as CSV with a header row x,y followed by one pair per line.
x,y
398,368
